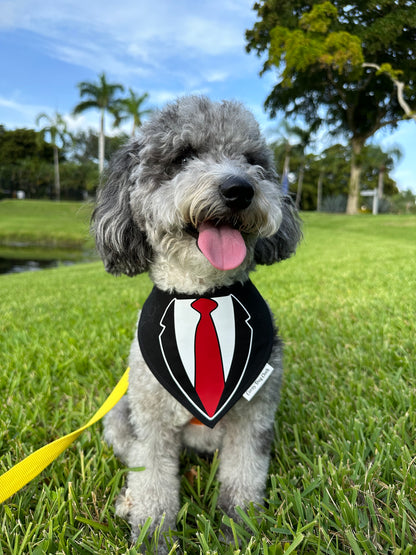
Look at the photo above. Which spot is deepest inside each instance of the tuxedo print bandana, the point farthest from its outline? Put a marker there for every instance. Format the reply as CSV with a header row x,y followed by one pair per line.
x,y
207,351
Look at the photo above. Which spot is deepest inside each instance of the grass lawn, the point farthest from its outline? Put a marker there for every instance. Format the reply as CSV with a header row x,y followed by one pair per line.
x,y
44,223
343,467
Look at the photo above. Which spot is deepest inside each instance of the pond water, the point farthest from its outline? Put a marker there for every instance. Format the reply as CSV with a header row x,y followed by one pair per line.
x,y
16,266
31,259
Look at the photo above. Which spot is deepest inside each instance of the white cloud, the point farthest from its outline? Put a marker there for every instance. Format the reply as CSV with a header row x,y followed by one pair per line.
x,y
163,24
216,76
18,114
211,36
190,44
161,97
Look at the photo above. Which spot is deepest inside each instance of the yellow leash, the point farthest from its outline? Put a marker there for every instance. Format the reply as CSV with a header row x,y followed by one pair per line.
x,y
23,472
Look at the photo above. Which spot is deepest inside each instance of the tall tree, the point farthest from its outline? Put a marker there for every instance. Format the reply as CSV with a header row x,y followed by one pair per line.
x,y
304,140
377,163
55,129
101,95
85,146
25,162
326,175
319,49
295,140
131,107
282,150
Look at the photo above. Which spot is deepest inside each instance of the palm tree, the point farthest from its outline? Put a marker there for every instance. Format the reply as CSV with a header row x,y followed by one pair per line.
x,y
380,162
57,130
383,162
101,95
282,149
130,107
304,140
332,167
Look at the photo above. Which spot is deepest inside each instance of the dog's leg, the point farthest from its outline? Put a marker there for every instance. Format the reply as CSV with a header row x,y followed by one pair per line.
x,y
154,491
146,429
244,464
118,431
245,451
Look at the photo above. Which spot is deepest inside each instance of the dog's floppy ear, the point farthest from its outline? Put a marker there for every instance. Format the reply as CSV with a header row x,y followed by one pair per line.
x,y
283,243
121,244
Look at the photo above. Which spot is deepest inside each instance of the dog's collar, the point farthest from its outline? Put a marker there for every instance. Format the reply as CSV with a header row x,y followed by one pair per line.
x,y
240,289
168,332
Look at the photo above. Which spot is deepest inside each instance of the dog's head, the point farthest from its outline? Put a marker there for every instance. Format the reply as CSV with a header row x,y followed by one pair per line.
x,y
196,189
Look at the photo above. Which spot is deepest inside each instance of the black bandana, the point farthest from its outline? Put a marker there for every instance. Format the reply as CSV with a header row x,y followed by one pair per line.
x,y
169,334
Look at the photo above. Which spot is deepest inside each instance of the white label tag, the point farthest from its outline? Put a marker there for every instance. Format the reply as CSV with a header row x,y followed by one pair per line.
x,y
258,382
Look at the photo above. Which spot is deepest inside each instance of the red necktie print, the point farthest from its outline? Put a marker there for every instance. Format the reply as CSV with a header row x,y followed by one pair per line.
x,y
209,374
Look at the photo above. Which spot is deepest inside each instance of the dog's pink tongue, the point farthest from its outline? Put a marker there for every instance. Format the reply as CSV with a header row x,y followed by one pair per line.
x,y
222,245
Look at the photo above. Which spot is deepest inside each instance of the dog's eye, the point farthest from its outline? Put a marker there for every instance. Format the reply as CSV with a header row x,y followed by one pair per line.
x,y
251,159
256,159
184,156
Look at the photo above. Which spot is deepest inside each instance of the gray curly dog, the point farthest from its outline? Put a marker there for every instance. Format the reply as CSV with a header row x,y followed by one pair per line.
x,y
194,200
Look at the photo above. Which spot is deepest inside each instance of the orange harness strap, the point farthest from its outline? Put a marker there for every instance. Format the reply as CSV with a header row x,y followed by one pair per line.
x,y
196,422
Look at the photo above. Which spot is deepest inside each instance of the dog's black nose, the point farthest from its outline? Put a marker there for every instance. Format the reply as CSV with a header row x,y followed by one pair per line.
x,y
237,192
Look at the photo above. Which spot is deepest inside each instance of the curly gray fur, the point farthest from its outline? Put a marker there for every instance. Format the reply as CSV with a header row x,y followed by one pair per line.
x,y
158,190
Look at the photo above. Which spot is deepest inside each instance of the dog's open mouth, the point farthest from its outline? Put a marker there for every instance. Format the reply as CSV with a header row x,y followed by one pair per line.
x,y
221,244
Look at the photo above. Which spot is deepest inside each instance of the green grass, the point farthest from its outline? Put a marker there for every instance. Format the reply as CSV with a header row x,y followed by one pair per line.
x,y
44,223
343,469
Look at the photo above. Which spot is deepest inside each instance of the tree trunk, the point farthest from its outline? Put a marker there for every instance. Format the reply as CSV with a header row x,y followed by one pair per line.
x,y
319,192
300,184
380,185
56,168
101,145
354,185
380,190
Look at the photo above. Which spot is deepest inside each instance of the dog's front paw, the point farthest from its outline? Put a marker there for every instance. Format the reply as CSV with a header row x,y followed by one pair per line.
x,y
137,514
230,498
124,504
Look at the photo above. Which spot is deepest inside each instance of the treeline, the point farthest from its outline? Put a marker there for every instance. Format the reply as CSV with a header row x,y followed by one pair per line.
x,y
25,167
54,163
321,181
26,164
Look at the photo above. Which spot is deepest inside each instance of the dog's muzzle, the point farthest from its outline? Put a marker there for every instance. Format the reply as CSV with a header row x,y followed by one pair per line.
x,y
220,240
236,192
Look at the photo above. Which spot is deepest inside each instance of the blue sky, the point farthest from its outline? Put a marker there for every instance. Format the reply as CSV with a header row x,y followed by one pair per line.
x,y
165,47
